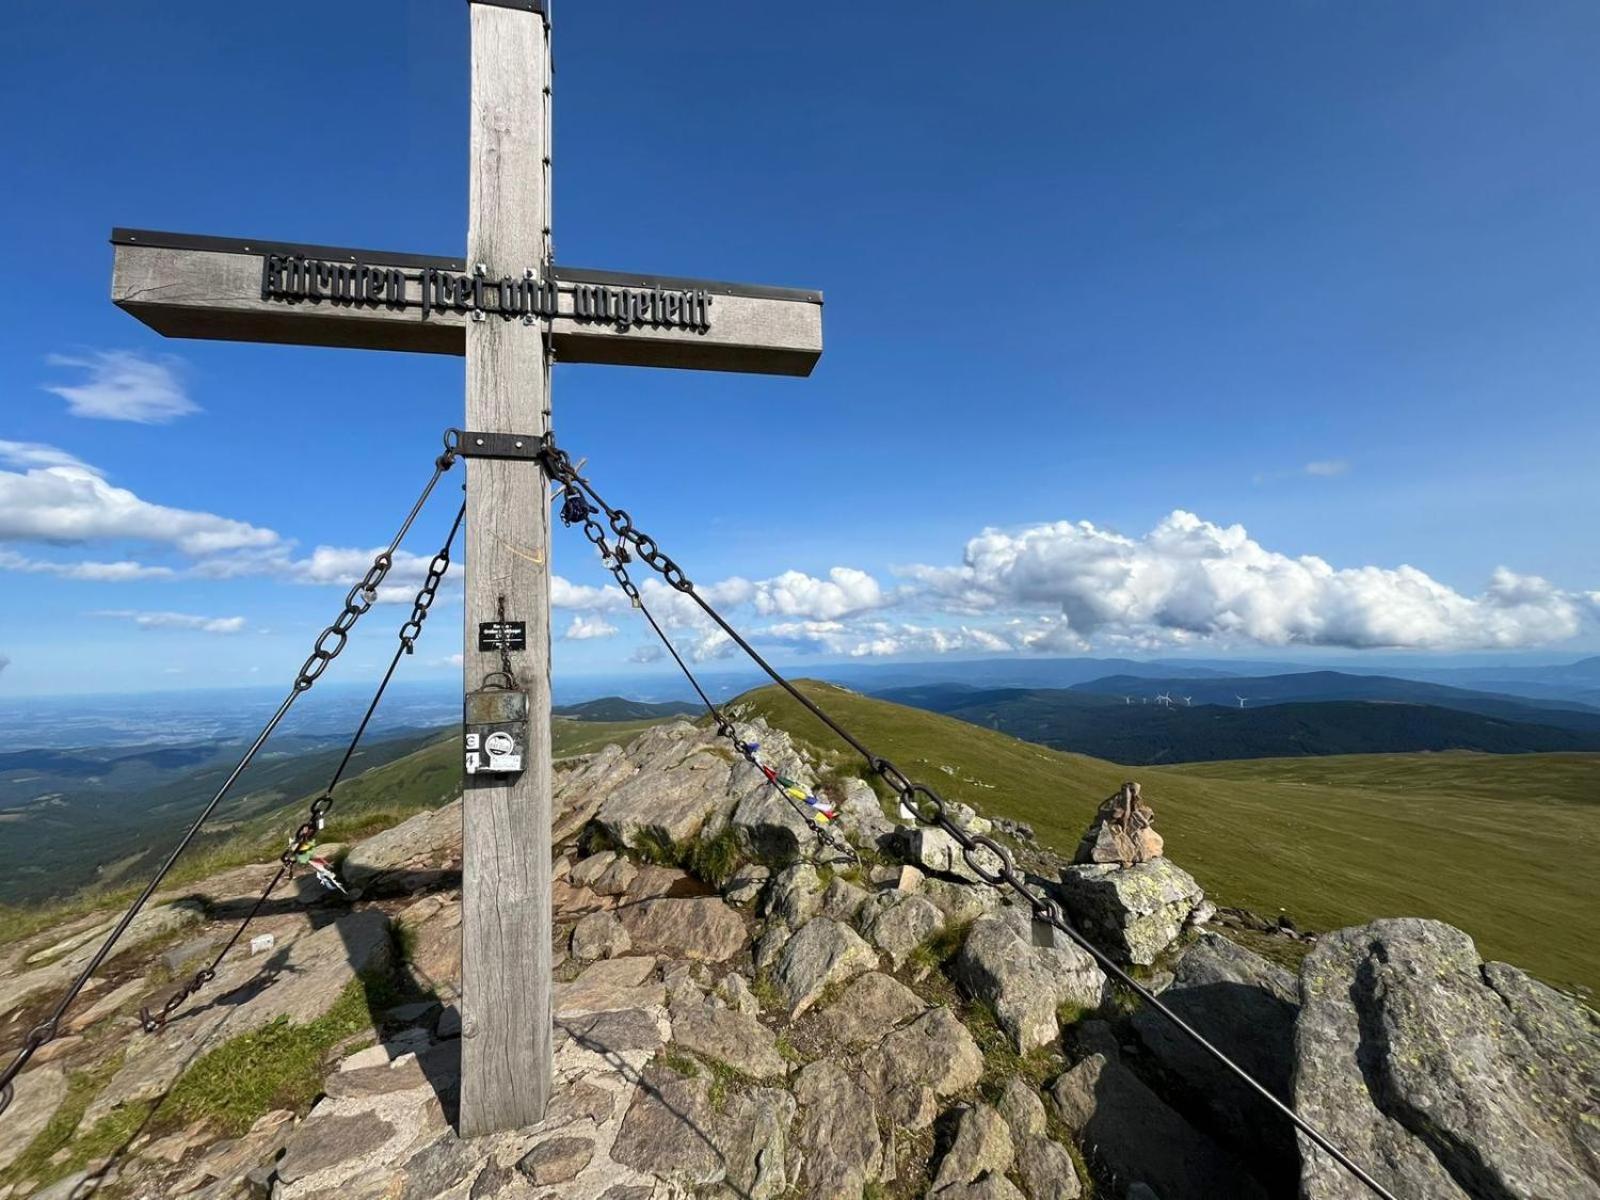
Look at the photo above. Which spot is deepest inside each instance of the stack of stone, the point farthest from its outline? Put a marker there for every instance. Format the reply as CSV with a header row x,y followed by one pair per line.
x,y
1123,831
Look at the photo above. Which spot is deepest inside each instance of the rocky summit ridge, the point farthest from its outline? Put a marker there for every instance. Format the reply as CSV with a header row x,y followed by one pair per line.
x,y
741,1014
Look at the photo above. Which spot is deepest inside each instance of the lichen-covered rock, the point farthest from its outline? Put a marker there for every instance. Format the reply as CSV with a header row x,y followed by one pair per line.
x,y
1046,1169
795,895
918,1065
869,1007
837,1134
1024,983
898,922
682,786
407,857
981,1147
938,853
731,1038
821,953
862,812
1445,1076
599,935
1246,1007
746,884
37,1094
674,1130
697,927
1022,1109
842,900
1140,1139
1133,913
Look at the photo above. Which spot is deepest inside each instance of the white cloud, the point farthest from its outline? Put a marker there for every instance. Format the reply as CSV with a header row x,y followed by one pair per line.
x,y
95,572
585,629
648,653
120,386
4,663
173,620
37,454
845,592
1327,468
565,594
1191,579
69,501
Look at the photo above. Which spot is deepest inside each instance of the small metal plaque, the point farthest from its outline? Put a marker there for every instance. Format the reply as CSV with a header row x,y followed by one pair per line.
x,y
502,635
493,707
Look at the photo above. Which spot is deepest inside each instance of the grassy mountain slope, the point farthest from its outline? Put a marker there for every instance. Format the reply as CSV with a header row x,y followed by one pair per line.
x,y
1506,848
414,774
1107,727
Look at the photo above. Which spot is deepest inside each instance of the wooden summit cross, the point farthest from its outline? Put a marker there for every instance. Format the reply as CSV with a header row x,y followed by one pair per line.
x,y
510,310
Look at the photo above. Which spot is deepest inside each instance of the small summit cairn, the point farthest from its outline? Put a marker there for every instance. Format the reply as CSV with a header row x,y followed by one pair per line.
x,y
1123,831
1121,891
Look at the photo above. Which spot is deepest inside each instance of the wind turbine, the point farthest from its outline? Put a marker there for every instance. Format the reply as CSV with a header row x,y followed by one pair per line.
x,y
1127,699
1188,701
1164,698
1240,699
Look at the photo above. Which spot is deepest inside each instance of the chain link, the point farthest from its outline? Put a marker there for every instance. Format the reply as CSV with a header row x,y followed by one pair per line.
x,y
578,511
305,837
358,601
928,807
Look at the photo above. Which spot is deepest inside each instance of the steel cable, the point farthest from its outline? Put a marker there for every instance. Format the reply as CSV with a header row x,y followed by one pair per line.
x,y
305,836
357,602
615,559
929,809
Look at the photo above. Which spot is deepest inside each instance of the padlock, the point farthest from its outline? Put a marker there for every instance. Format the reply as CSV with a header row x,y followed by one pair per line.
x,y
496,731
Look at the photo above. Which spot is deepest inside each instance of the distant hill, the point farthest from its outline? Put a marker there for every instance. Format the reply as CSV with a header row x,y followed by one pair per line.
x,y
1501,845
1106,726
615,708
1311,686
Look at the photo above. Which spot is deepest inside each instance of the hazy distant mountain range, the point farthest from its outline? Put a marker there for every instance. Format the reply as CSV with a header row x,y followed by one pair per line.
x,y
1144,720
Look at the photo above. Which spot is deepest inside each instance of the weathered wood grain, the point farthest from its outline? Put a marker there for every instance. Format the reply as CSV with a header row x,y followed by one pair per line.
x,y
217,295
505,930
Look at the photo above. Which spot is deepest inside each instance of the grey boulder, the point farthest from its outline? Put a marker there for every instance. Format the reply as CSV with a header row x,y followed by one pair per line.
x,y
1445,1076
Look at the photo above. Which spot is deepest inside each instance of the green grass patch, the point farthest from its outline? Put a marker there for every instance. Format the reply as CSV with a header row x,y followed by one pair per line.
x,y
107,1136
941,948
1335,840
715,859
281,1065
653,846
1001,1062
679,1063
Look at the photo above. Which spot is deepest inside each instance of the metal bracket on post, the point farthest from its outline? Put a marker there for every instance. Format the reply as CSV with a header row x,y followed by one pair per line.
x,y
469,443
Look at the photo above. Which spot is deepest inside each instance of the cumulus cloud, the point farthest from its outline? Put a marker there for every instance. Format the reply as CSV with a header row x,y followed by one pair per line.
x,y
1191,579
94,572
845,592
67,501
648,653
121,386
37,454
173,620
585,629
583,598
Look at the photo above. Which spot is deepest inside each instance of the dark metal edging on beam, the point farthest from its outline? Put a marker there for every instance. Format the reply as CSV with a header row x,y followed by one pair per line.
x,y
164,240
533,6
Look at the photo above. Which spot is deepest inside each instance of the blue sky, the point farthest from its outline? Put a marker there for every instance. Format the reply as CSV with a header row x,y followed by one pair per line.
x,y
1234,329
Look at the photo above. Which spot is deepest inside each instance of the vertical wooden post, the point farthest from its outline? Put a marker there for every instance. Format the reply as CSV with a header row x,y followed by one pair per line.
x,y
505,928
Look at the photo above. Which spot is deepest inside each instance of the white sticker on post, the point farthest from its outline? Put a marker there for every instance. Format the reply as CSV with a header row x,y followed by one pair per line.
x,y
262,942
